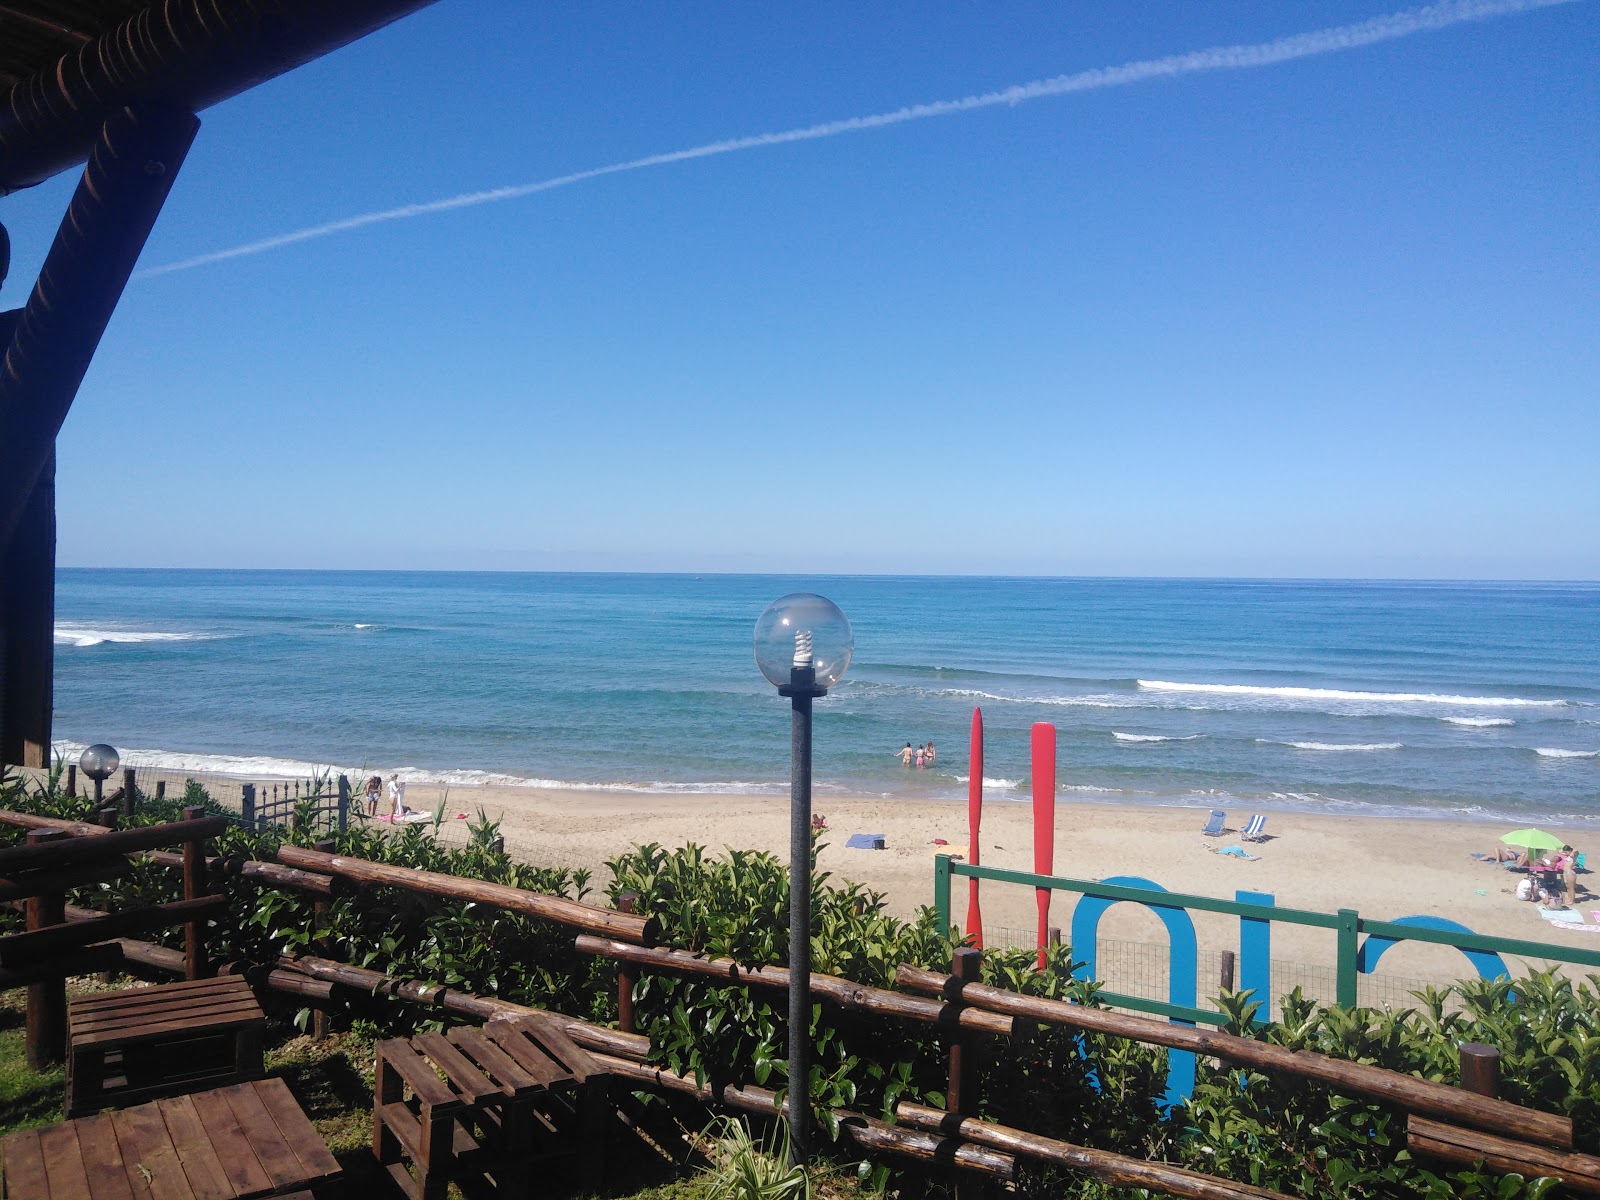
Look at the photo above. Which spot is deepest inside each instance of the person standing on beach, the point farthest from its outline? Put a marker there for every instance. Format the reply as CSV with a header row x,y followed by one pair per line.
x,y
374,790
397,797
905,755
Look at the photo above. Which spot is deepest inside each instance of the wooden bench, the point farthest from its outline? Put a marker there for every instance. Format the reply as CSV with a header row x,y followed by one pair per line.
x,y
476,1103
231,1143
130,1046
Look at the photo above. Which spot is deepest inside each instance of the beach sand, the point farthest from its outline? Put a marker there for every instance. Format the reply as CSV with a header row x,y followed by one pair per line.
x,y
1385,868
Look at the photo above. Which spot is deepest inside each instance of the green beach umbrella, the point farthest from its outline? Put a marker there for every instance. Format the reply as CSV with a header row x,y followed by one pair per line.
x,y
1533,839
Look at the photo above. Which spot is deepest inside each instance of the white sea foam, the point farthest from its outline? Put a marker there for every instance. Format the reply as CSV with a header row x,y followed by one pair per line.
x,y
1095,701
1478,722
1337,745
264,767
1553,752
991,783
1305,693
1151,737
243,765
81,635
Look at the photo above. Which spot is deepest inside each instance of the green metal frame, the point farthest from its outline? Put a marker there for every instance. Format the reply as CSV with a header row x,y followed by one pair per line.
x,y
1347,922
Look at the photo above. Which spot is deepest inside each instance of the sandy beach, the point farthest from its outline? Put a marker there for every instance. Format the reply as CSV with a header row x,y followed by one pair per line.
x,y
1385,868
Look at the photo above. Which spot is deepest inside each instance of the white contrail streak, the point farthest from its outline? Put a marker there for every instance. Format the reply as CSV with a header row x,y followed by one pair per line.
x,y
1218,58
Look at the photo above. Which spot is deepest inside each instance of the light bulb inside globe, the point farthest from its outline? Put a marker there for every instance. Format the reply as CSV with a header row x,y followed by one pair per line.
x,y
801,630
99,761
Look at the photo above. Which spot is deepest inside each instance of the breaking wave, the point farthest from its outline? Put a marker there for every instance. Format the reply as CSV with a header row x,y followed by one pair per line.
x,y
1338,745
1553,752
1305,693
79,635
1151,737
1478,722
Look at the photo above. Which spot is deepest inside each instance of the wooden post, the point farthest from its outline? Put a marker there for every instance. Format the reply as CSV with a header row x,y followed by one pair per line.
x,y
47,1000
499,846
194,886
247,806
1053,935
27,615
1226,981
319,922
161,789
72,779
344,803
107,817
130,793
1480,1069
961,1095
627,973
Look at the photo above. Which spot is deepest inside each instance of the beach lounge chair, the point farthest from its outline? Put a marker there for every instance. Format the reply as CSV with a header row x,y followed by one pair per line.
x,y
1214,823
1256,829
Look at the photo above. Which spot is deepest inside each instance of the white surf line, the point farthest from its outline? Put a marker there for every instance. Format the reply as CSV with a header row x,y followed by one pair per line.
x,y
1218,58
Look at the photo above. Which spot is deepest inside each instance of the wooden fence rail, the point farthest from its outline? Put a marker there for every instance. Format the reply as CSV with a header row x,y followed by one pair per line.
x,y
1351,1078
588,917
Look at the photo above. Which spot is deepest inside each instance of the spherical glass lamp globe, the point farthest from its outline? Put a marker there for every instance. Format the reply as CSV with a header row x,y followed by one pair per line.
x,y
99,761
800,630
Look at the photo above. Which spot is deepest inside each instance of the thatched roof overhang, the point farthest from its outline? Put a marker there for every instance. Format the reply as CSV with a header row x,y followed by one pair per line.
x,y
66,65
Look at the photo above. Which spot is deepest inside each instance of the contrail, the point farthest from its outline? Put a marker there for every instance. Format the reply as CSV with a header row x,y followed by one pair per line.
x,y
1218,58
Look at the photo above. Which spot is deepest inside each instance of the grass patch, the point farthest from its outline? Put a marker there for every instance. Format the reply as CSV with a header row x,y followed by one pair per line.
x,y
27,1098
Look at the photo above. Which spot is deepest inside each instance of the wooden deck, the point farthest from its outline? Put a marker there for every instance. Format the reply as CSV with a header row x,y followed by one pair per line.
x,y
233,1143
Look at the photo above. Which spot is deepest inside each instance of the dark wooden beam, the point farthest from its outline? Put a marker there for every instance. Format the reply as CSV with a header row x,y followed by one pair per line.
x,y
193,53
27,627
116,203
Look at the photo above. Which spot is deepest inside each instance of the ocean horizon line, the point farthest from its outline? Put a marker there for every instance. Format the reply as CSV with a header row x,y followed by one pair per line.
x,y
918,576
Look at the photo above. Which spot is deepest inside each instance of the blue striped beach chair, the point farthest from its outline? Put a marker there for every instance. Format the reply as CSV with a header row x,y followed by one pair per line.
x,y
1256,829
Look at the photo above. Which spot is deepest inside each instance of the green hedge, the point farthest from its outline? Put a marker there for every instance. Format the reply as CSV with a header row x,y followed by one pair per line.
x,y
1279,1133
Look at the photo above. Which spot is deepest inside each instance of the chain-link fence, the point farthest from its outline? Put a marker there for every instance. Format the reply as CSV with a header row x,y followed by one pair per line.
x,y
1143,969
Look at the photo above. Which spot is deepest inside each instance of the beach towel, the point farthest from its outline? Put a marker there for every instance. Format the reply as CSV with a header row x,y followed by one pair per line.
x,y
1575,926
1239,852
865,841
1560,914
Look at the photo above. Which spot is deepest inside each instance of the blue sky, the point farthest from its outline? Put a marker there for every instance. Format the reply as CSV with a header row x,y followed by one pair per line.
x,y
1333,316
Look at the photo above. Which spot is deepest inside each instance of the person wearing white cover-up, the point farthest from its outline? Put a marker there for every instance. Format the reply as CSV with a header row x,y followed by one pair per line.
x,y
397,798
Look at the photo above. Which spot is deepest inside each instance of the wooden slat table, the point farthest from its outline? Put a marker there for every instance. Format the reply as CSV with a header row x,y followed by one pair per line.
x,y
230,1143
476,1103
129,1046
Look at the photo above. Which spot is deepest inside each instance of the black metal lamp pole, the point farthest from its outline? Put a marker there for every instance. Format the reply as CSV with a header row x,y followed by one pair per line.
x,y
801,689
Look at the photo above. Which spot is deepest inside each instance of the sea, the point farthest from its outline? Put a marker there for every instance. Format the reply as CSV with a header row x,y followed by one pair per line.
x,y
1425,699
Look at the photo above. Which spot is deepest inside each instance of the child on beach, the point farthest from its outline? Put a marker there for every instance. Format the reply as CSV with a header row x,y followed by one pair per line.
x,y
919,758
374,790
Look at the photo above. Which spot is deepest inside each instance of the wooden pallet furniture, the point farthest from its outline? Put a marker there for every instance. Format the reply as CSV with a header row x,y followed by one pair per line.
x,y
231,1143
486,1103
130,1046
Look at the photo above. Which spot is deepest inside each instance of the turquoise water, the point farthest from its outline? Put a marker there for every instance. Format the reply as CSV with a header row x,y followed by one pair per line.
x,y
1415,698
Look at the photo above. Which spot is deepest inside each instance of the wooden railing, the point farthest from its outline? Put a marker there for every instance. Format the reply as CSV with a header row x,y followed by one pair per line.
x,y
1453,1125
62,855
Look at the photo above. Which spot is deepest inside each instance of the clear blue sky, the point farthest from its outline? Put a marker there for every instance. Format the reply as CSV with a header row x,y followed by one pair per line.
x,y
1335,316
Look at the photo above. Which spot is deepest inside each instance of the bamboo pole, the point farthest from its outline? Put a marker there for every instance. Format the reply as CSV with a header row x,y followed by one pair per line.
x,y
866,1132
550,908
1116,1169
1465,1147
1351,1078
843,992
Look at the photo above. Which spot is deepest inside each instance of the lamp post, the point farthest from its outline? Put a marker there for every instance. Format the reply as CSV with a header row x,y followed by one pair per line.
x,y
99,762
803,646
